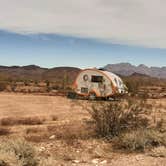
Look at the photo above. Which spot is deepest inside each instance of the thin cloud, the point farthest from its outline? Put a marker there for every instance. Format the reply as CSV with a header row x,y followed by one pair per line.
x,y
136,22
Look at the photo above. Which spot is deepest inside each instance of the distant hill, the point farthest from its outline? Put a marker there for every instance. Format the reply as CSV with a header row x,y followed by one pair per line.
x,y
33,72
127,69
60,73
30,72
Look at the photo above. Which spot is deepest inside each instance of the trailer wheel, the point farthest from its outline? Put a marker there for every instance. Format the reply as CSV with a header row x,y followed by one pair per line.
x,y
92,96
71,95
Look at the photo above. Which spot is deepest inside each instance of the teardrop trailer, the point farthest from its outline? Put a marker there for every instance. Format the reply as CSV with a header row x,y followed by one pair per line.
x,y
97,84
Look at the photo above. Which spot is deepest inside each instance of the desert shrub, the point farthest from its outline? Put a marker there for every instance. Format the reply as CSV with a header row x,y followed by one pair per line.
x,y
2,86
4,131
22,152
34,130
21,121
140,139
54,118
70,133
158,152
50,161
161,125
111,119
37,138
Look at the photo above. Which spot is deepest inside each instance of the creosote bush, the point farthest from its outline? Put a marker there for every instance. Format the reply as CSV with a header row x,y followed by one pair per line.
x,y
128,124
4,131
111,119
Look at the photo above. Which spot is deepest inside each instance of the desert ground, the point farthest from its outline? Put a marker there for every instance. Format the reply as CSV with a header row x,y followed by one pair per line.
x,y
59,134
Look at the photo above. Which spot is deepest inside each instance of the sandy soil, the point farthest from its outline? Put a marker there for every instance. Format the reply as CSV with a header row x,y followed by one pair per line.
x,y
82,152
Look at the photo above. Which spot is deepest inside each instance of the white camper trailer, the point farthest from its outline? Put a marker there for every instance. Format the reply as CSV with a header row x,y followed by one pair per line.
x,y
94,83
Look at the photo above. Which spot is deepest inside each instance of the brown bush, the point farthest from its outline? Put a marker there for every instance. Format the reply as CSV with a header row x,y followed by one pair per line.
x,y
4,131
111,119
54,118
3,86
35,134
71,132
42,137
140,139
21,121
19,151
31,130
158,152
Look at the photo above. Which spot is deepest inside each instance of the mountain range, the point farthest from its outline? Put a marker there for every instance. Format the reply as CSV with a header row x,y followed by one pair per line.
x,y
33,72
127,69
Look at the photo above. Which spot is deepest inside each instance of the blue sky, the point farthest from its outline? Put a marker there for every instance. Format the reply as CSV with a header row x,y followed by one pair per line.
x,y
82,33
50,50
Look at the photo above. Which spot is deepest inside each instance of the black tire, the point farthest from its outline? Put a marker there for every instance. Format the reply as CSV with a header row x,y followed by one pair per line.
x,y
71,95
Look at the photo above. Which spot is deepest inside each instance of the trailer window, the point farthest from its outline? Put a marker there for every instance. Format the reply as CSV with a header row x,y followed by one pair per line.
x,y
97,78
84,90
85,77
116,82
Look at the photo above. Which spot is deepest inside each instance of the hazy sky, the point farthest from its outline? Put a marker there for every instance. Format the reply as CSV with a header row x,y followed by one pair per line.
x,y
82,33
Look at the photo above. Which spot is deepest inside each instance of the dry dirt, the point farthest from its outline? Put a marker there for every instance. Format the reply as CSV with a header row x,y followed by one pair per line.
x,y
65,150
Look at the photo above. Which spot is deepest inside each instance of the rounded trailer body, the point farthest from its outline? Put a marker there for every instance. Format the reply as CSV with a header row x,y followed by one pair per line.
x,y
98,83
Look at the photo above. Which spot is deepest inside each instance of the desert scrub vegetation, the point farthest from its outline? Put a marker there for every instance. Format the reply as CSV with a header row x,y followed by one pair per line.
x,y
4,131
9,121
31,130
113,118
54,117
70,133
140,140
128,124
17,152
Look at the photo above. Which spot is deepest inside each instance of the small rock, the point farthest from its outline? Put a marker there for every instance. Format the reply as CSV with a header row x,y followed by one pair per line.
x,y
103,162
76,161
52,137
95,161
42,149
50,145
138,158
98,151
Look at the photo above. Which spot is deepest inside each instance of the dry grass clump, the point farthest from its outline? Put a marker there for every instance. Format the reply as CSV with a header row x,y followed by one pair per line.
x,y
37,138
36,134
140,139
54,118
18,152
4,131
32,130
8,159
71,132
158,152
10,121
50,161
